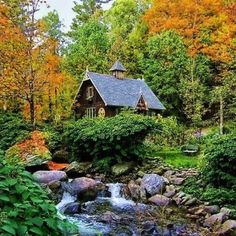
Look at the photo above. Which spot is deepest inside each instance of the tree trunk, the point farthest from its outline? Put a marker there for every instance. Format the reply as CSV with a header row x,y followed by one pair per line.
x,y
32,110
221,115
50,105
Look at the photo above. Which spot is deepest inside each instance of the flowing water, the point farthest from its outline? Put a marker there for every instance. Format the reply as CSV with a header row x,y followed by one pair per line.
x,y
112,214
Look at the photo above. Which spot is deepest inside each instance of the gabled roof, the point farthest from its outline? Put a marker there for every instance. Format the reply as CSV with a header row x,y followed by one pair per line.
x,y
125,92
117,67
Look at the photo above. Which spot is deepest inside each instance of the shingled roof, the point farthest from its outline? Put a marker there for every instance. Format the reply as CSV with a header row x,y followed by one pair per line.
x,y
125,92
118,67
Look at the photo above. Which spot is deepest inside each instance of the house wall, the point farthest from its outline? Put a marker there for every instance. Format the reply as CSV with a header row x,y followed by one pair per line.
x,y
82,103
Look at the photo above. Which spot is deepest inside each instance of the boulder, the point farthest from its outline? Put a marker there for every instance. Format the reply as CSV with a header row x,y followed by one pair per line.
x,y
78,169
229,226
109,217
47,177
71,208
214,209
170,191
134,190
215,219
176,180
122,168
153,184
81,185
159,200
60,156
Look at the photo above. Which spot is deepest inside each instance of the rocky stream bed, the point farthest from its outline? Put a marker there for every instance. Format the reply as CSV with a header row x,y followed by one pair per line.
x,y
137,202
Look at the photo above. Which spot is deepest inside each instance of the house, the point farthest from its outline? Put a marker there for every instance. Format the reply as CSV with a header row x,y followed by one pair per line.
x,y
104,95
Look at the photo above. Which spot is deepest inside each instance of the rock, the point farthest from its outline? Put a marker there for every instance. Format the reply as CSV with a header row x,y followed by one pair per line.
x,y
46,177
227,211
190,202
122,168
229,226
78,169
214,209
177,181
169,173
134,190
80,185
194,217
54,185
169,194
159,170
153,184
159,200
71,208
109,217
215,219
140,173
170,191
60,156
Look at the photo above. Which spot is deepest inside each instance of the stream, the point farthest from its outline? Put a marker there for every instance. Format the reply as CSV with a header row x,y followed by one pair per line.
x,y
112,214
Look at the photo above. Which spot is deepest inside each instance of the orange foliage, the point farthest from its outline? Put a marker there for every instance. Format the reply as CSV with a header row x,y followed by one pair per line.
x,y
57,166
34,144
208,26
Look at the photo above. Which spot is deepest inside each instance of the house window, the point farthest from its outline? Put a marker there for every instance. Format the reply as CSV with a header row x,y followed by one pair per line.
x,y
90,112
90,92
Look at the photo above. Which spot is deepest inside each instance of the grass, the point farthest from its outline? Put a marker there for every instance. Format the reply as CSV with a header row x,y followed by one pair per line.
x,y
177,159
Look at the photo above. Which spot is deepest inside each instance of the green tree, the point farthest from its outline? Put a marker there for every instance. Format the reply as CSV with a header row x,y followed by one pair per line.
x,y
167,68
88,49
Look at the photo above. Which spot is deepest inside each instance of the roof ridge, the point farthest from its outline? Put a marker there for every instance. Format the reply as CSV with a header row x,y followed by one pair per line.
x,y
116,78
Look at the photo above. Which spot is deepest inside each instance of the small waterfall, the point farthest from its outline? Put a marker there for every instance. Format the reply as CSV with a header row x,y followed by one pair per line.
x,y
115,190
117,200
66,198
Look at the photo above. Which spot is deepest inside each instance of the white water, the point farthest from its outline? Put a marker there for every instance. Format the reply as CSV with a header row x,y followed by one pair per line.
x,y
66,198
117,199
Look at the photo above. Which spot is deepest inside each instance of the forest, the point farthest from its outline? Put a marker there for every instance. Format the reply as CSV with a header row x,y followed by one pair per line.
x,y
62,176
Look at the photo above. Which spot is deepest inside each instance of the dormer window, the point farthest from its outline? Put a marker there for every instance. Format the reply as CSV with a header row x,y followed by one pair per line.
x,y
90,93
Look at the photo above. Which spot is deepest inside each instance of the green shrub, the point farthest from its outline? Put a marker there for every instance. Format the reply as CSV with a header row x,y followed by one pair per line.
x,y
172,135
24,207
220,196
12,129
220,162
116,138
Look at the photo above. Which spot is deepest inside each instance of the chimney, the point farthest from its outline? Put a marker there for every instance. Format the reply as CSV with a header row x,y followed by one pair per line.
x,y
118,70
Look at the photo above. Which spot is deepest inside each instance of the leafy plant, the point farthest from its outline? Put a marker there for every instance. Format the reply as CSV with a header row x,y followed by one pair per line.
x,y
120,137
12,129
24,207
220,159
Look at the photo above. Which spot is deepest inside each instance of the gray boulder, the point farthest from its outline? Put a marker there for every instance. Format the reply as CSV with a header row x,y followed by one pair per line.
x,y
47,177
153,184
81,185
134,190
159,200
228,227
71,208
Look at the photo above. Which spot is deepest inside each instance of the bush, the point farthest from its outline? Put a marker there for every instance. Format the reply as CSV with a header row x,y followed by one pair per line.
x,y
172,135
113,139
220,162
12,129
24,207
220,196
